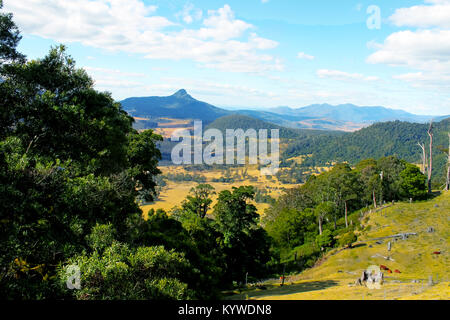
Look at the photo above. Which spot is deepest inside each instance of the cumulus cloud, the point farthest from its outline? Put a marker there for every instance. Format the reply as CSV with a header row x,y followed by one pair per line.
x,y
341,75
425,49
422,49
424,16
222,42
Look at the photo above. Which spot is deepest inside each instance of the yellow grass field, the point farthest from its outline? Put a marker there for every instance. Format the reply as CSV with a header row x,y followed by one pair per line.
x,y
335,275
175,192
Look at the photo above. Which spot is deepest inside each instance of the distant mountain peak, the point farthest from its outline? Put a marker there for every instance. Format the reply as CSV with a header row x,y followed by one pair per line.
x,y
180,105
182,94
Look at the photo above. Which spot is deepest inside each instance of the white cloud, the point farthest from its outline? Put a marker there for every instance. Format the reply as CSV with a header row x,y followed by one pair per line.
x,y
425,80
341,75
189,14
222,42
423,16
425,50
302,55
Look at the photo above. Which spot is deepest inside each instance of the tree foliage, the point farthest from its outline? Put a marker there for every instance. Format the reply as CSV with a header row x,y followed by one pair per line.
x,y
69,160
321,213
246,245
9,39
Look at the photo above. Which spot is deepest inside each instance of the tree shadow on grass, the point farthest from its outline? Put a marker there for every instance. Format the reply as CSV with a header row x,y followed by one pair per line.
x,y
359,245
277,290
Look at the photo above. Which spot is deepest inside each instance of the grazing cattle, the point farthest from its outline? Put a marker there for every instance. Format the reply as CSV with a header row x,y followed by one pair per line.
x,y
389,271
437,252
384,268
397,271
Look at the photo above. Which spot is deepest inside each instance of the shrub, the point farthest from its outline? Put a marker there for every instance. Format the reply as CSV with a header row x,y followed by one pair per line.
x,y
325,239
347,239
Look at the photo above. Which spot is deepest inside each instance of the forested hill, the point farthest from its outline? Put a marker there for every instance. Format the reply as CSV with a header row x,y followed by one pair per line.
x,y
379,140
244,122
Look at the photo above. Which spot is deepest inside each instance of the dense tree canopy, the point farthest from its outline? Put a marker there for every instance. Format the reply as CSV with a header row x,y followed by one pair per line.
x,y
69,160
380,140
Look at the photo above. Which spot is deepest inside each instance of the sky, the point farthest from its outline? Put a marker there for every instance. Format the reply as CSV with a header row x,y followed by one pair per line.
x,y
253,53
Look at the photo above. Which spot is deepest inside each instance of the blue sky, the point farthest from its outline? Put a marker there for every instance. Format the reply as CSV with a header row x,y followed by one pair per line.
x,y
253,53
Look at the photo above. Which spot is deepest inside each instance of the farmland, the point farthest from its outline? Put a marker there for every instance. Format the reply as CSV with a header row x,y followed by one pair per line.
x,y
176,191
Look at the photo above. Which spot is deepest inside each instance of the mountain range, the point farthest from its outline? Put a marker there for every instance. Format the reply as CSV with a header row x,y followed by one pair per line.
x,y
345,117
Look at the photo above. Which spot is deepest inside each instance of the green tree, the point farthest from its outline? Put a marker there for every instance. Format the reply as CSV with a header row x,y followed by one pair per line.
x,y
246,245
347,239
290,227
9,39
390,168
345,186
325,239
323,210
370,180
69,159
413,183
199,201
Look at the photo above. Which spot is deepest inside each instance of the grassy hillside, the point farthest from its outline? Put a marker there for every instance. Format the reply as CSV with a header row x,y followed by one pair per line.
x,y
334,276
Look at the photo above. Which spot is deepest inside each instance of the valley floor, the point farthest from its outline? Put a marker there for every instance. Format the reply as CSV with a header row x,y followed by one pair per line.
x,y
174,193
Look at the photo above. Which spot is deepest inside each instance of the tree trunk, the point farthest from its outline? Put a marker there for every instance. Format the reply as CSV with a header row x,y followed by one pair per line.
x,y
424,158
430,162
346,211
374,200
447,184
320,226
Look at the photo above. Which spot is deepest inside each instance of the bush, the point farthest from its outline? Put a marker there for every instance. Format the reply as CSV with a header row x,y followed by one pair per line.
x,y
122,273
325,240
347,239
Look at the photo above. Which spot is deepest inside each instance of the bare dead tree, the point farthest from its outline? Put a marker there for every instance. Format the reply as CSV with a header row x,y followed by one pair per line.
x,y
424,157
346,214
374,199
430,162
447,183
